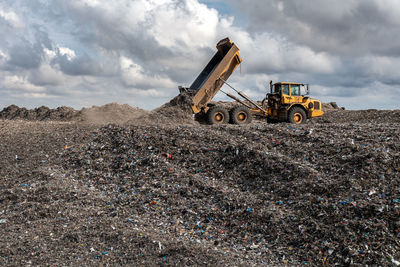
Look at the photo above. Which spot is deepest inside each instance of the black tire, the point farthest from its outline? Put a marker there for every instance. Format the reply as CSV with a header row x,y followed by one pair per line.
x,y
201,118
240,115
297,115
270,120
217,115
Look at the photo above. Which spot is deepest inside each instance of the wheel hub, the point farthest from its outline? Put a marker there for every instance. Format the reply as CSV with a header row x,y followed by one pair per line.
x,y
219,117
241,117
297,118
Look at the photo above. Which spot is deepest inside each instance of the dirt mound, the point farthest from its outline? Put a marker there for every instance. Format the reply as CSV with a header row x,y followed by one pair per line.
x,y
110,113
330,106
42,113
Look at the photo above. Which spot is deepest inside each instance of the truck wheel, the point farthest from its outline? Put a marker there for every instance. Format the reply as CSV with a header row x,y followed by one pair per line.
x,y
217,115
271,120
297,115
240,115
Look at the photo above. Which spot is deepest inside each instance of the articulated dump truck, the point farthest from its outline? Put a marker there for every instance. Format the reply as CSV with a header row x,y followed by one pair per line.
x,y
285,101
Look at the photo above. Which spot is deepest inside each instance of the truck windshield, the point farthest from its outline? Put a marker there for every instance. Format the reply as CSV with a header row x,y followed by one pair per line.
x,y
295,89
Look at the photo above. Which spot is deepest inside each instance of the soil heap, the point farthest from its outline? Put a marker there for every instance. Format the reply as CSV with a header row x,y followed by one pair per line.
x,y
110,113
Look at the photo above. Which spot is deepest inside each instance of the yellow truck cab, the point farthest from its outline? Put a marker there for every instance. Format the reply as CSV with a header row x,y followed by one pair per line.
x,y
288,102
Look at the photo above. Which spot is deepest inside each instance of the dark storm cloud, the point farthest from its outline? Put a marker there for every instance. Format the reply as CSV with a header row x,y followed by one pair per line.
x,y
42,37
340,27
83,65
25,55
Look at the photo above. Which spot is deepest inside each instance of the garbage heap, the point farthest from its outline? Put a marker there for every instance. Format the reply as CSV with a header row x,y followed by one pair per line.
x,y
42,113
259,194
271,194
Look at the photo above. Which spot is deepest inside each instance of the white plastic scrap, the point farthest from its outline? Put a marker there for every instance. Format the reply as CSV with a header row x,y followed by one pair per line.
x,y
397,263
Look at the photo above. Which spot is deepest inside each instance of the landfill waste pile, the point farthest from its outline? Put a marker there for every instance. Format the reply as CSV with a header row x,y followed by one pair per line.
x,y
178,110
109,113
371,116
42,113
172,193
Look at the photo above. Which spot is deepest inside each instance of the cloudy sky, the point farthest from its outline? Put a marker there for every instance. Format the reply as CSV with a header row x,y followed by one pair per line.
x,y
91,52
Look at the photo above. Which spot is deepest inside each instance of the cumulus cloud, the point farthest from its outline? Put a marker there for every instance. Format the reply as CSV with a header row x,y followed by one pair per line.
x,y
142,46
3,58
88,52
272,54
133,75
46,75
67,52
20,83
348,47
11,18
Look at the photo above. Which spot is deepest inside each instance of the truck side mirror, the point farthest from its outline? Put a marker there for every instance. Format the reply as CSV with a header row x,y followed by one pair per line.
x,y
307,89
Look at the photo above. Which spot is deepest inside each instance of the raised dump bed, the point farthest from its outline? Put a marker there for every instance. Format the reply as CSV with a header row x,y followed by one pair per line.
x,y
211,79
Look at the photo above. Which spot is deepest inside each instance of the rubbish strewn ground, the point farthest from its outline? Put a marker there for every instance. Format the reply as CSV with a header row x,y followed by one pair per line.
x,y
174,192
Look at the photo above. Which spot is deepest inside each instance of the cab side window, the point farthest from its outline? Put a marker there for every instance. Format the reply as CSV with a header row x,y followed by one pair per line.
x,y
295,90
285,89
277,89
